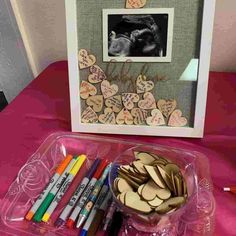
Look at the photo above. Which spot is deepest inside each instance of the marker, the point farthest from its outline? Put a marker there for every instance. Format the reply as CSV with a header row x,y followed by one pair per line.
x,y
100,199
116,224
83,199
64,188
67,210
230,189
50,185
98,218
92,198
45,204
108,219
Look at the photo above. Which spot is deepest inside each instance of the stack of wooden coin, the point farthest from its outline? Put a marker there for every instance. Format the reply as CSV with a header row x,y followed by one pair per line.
x,y
151,184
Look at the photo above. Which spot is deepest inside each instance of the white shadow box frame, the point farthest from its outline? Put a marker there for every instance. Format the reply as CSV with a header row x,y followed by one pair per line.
x,y
197,128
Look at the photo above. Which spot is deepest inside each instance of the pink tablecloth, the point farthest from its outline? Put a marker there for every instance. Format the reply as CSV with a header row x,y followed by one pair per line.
x,y
43,108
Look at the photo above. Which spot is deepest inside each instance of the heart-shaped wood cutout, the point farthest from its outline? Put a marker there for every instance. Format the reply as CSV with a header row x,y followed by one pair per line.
x,y
87,89
115,103
96,75
108,90
156,119
139,115
124,117
86,60
108,117
176,119
129,99
89,116
148,102
167,106
135,3
143,85
96,102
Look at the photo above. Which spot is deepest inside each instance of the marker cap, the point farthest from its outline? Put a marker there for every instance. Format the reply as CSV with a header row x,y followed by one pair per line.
x,y
93,168
78,165
83,232
70,223
60,169
29,215
101,168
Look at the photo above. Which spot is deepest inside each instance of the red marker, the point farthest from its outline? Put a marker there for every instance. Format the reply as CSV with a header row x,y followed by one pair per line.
x,y
86,193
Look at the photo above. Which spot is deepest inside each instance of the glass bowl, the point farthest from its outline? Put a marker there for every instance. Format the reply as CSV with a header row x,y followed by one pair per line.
x,y
154,223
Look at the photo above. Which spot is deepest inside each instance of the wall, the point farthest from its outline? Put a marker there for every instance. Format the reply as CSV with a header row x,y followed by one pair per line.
x,y
43,25
44,30
15,72
224,41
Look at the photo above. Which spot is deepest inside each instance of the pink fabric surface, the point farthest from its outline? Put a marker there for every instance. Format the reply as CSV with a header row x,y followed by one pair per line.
x,y
43,108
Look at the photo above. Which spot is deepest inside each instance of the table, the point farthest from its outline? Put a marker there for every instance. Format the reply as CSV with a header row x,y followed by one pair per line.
x,y
43,108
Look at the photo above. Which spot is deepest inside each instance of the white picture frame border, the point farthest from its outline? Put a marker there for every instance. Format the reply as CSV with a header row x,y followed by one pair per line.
x,y
200,109
168,11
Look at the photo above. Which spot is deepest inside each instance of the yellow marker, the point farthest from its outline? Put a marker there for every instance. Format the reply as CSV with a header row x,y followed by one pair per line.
x,y
75,169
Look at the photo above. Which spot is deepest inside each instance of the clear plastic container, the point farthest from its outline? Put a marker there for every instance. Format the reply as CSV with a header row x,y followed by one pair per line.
x,y
194,218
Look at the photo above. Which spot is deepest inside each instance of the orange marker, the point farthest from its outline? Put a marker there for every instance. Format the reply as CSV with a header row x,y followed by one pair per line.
x,y
60,169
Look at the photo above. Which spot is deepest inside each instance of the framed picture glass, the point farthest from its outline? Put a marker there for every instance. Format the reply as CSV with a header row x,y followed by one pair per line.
x,y
139,66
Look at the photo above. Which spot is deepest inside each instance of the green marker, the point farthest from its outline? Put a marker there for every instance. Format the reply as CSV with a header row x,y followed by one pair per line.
x,y
47,201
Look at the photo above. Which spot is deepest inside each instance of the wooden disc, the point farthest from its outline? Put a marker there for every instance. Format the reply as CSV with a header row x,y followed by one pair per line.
x,y
172,168
163,193
175,202
122,197
131,197
136,179
139,191
154,174
129,180
179,185
139,166
123,186
115,184
140,206
155,202
163,208
166,177
149,190
173,184
144,157
159,162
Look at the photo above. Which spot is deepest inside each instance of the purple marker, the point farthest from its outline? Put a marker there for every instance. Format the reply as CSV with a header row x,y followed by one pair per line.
x,y
73,200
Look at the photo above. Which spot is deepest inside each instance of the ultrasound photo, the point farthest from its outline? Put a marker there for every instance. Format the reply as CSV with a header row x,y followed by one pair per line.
x,y
137,35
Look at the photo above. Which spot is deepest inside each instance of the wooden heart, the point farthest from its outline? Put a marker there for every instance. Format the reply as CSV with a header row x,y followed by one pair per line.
x,y
96,75
108,90
115,103
129,99
139,115
143,85
86,60
124,117
156,119
89,116
96,102
135,3
176,119
87,89
148,102
167,106
108,117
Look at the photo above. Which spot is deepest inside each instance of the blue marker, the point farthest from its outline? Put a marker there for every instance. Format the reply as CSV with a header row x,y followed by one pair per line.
x,y
101,198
